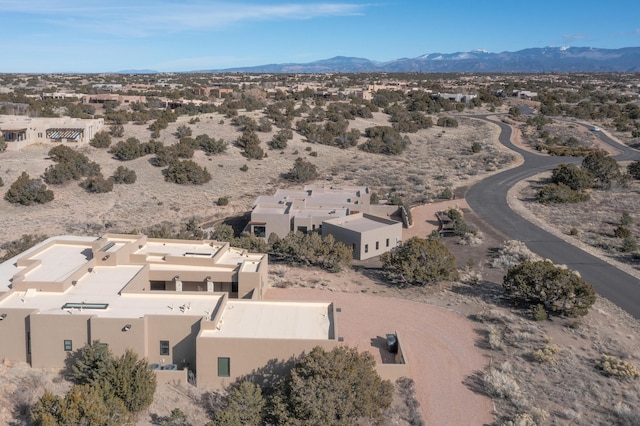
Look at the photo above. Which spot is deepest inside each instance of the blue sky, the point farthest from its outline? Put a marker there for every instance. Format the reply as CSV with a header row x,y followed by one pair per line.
x,y
43,36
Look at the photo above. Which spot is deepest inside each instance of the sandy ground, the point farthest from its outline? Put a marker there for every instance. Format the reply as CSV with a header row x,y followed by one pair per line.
x,y
439,348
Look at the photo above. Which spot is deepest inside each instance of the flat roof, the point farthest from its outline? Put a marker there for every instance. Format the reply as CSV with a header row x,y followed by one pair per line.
x,y
59,261
102,286
329,213
361,223
197,248
237,256
270,209
8,268
274,320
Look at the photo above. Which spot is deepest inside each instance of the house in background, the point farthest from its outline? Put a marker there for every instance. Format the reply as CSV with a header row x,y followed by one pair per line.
x,y
346,210
368,236
19,131
305,210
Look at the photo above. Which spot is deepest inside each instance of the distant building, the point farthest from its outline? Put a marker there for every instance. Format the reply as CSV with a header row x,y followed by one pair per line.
x,y
368,236
455,97
315,207
20,131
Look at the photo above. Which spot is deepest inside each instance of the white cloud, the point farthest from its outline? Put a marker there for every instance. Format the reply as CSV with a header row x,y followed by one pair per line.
x,y
145,18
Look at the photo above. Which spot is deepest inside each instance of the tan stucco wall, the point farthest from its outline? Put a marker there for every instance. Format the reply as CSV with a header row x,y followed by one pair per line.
x,y
110,331
13,335
181,332
48,333
246,355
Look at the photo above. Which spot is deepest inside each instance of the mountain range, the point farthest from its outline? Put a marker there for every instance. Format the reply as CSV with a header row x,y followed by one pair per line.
x,y
533,60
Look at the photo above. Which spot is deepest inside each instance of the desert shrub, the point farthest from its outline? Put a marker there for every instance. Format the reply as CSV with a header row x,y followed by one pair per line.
x,y
165,155
15,247
538,313
447,122
337,387
419,261
211,145
460,226
476,147
603,168
101,140
244,405
129,379
264,125
559,290
177,417
244,168
573,176
498,383
222,232
629,244
302,171
622,232
124,175
1,182
187,172
626,219
560,193
494,338
634,170
250,144
27,191
222,201
185,147
513,252
116,130
97,184
384,140
71,165
92,363
573,231
406,391
128,150
82,405
110,390
183,131
311,249
546,354
611,366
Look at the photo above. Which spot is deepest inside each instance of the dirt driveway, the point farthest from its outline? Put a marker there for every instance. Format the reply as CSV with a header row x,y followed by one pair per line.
x,y
440,348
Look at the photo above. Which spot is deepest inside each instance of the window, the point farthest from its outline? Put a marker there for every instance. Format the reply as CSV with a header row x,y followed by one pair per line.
x,y
366,248
377,245
68,346
224,369
164,347
387,242
260,231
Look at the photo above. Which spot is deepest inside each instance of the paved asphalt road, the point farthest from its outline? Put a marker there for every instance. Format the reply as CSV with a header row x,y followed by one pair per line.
x,y
488,198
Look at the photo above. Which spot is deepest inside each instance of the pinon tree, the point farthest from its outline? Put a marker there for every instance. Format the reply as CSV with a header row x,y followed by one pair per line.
x,y
420,261
27,191
560,291
337,387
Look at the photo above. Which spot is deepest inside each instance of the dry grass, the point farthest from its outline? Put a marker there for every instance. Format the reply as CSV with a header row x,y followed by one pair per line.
x,y
589,224
435,160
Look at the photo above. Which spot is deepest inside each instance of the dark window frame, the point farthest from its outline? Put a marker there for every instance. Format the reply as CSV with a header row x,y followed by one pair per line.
x,y
165,348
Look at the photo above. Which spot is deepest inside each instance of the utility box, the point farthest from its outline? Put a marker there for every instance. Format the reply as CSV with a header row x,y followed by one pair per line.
x,y
392,343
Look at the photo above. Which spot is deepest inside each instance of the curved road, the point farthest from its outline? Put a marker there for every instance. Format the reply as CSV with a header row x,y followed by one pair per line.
x,y
488,198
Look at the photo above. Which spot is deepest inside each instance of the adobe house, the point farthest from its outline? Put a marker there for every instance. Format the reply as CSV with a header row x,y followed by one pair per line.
x,y
343,212
19,131
189,307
